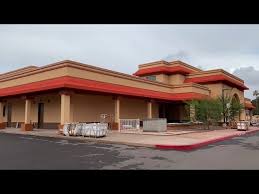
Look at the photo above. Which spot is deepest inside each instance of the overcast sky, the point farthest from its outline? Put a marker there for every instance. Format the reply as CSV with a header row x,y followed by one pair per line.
x,y
234,48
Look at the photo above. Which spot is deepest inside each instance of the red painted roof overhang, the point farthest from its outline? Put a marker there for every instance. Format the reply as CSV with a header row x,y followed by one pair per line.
x,y
249,105
163,70
216,78
91,85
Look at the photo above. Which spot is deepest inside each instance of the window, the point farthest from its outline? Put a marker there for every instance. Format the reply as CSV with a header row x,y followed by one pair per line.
x,y
4,111
151,77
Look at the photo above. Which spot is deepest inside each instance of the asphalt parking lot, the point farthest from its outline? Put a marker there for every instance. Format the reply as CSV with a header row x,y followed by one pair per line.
x,y
32,152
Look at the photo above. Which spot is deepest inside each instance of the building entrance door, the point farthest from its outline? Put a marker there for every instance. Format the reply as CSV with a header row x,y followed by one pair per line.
x,y
173,112
162,110
40,115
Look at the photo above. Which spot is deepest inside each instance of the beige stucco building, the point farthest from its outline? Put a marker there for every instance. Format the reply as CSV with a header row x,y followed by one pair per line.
x,y
68,91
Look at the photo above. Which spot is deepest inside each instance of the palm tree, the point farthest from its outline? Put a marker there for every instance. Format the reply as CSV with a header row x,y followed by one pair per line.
x,y
255,93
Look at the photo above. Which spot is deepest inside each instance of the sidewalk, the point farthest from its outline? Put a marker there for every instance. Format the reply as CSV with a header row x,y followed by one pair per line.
x,y
185,141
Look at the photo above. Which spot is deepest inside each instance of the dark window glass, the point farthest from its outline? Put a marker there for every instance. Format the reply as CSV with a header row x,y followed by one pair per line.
x,y
4,111
151,77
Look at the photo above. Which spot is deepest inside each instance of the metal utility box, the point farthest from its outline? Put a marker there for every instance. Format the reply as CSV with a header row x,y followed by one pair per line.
x,y
242,125
155,125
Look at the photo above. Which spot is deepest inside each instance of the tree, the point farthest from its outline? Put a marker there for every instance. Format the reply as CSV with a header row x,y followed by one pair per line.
x,y
207,111
231,107
256,94
225,101
255,111
234,109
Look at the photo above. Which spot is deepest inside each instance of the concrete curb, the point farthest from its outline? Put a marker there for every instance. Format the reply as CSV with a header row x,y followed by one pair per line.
x,y
204,143
187,147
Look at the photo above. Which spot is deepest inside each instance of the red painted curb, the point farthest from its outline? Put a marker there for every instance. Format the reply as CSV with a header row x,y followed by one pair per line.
x,y
198,145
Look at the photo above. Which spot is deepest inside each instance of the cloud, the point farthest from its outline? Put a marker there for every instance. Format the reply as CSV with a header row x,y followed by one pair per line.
x,y
251,77
180,55
183,56
233,48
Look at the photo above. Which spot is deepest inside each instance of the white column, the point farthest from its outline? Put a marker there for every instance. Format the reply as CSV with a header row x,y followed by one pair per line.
x,y
65,109
149,109
117,109
27,125
242,115
27,119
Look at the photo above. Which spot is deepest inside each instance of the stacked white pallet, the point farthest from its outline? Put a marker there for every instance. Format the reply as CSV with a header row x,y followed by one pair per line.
x,y
86,130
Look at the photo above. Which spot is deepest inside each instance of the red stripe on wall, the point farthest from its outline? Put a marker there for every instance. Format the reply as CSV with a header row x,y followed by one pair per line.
x,y
90,85
164,70
216,78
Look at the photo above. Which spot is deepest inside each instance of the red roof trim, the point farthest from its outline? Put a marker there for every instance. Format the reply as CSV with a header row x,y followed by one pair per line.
x,y
164,70
216,78
249,105
91,85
